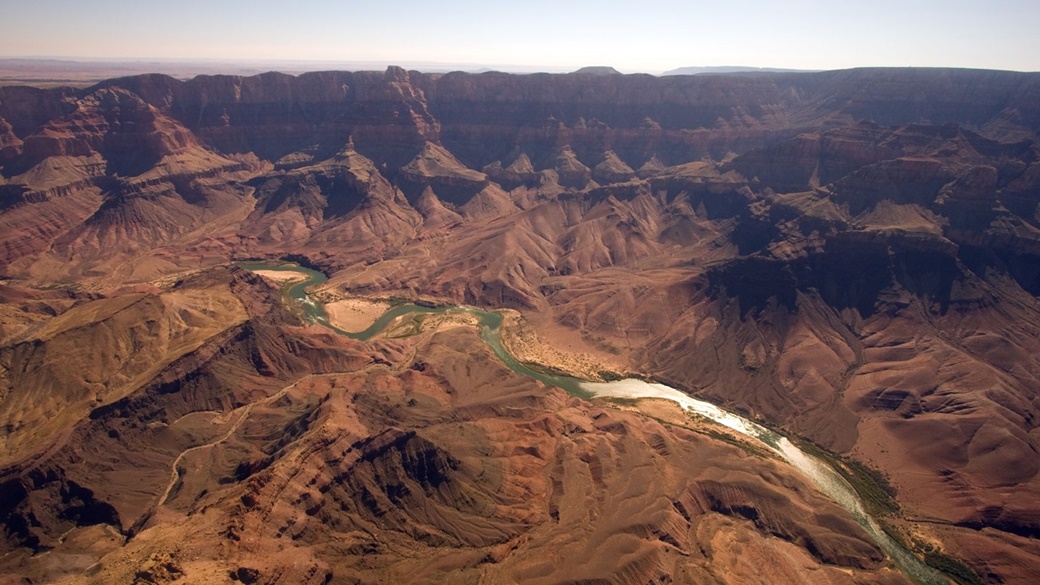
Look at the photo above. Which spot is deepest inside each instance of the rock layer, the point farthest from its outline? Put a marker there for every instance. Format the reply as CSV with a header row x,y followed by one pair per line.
x,y
852,256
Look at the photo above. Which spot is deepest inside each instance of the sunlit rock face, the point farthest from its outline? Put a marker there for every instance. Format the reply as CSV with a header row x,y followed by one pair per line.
x,y
852,257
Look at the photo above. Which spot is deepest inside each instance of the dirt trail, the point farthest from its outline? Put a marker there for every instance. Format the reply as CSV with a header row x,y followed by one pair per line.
x,y
175,473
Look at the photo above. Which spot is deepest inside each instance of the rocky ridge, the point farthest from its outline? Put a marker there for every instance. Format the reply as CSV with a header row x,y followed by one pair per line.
x,y
850,255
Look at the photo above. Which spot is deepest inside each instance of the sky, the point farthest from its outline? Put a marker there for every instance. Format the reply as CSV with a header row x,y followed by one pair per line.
x,y
648,36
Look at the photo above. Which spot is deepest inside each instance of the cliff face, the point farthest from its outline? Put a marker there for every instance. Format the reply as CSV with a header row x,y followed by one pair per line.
x,y
483,118
853,256
166,140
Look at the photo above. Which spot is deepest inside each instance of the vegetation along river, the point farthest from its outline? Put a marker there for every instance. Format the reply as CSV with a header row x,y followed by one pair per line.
x,y
823,475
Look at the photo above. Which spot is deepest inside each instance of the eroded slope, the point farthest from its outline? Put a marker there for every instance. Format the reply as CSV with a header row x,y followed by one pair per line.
x,y
851,256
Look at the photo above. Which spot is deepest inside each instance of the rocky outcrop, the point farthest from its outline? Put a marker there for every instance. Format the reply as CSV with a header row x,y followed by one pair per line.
x,y
852,256
10,144
612,170
437,168
519,172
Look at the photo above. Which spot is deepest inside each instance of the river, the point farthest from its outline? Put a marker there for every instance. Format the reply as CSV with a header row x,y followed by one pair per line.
x,y
822,475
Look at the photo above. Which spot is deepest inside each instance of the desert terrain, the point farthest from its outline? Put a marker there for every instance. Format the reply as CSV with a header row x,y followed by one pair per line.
x,y
849,257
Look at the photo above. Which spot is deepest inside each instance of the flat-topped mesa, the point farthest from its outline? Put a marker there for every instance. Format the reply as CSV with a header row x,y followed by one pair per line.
x,y
597,70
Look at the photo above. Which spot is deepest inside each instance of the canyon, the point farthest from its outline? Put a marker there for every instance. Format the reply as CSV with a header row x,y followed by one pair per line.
x,y
851,257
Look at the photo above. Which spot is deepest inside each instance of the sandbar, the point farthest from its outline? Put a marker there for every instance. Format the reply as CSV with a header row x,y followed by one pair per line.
x,y
282,276
355,314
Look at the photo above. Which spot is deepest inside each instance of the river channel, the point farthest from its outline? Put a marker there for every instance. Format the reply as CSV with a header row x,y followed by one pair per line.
x,y
822,475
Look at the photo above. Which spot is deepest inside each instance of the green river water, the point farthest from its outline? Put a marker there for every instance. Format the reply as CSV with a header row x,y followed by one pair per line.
x,y
826,478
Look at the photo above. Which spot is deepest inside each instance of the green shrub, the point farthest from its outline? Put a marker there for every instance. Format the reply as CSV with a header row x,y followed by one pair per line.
x,y
960,572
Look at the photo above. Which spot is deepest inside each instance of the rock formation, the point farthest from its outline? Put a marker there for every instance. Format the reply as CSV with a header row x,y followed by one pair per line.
x,y
850,256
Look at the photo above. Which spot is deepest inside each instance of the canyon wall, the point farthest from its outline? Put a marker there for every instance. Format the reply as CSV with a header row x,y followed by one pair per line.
x,y
852,256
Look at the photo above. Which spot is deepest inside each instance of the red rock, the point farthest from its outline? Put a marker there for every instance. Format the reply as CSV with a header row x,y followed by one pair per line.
x,y
851,256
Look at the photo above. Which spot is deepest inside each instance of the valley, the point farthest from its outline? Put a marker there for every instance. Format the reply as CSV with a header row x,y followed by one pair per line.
x,y
490,324
850,258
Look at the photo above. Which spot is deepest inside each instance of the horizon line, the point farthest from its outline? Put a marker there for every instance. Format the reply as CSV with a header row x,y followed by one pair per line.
x,y
447,66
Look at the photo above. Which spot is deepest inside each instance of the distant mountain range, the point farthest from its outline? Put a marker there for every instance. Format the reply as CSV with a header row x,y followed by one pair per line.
x,y
81,72
851,257
731,69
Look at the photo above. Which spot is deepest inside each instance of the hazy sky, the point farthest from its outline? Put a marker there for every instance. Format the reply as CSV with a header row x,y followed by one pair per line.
x,y
649,36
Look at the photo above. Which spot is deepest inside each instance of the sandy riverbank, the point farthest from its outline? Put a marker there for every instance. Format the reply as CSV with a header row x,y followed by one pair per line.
x,y
355,314
282,276
568,352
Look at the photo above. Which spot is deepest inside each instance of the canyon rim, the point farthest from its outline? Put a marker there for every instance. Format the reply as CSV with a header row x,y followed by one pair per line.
x,y
850,257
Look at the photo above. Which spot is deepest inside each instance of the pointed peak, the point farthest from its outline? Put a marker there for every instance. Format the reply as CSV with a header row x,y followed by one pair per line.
x,y
395,73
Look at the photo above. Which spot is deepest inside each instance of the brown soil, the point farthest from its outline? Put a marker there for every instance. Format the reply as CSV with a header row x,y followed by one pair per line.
x,y
853,257
355,314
